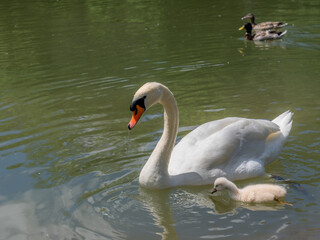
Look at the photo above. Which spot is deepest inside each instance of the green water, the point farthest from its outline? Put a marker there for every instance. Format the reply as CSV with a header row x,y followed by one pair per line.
x,y
68,71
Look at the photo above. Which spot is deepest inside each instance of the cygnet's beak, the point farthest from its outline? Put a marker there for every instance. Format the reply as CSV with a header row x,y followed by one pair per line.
x,y
213,190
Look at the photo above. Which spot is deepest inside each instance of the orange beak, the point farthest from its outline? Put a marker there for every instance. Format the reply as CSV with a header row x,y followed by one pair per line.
x,y
135,117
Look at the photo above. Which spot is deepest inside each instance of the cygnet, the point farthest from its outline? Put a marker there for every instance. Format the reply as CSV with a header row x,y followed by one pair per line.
x,y
253,193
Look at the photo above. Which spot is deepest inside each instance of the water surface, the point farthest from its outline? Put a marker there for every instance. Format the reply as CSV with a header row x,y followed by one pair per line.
x,y
68,71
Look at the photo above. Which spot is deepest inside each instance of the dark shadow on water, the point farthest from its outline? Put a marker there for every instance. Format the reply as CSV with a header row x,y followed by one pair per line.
x,y
296,186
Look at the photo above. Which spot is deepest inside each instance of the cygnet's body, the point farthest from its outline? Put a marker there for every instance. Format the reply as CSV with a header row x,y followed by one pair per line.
x,y
253,193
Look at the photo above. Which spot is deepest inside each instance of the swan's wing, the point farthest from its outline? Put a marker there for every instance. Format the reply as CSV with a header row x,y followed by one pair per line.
x,y
206,130
221,142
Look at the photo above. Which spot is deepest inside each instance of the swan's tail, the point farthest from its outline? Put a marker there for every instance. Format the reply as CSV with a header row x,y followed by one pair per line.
x,y
284,121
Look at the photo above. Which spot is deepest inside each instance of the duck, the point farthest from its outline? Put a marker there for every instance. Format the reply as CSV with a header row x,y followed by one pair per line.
x,y
257,193
262,35
234,147
264,25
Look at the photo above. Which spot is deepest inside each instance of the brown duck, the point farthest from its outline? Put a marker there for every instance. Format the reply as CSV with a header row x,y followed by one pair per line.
x,y
263,25
261,35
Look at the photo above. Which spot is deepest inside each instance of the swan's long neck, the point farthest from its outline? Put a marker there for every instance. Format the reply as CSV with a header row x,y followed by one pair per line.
x,y
155,172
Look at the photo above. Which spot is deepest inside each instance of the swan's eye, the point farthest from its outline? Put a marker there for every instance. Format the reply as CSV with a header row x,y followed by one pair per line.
x,y
139,102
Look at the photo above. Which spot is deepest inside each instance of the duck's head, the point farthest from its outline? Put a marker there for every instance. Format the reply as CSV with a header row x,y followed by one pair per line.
x,y
248,27
220,184
248,16
149,94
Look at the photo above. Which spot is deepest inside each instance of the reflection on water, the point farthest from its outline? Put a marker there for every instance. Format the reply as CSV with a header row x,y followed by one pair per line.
x,y
69,168
46,215
158,206
222,205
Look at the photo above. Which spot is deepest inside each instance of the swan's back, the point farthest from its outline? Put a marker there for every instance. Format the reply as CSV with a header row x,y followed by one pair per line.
x,y
223,142
237,148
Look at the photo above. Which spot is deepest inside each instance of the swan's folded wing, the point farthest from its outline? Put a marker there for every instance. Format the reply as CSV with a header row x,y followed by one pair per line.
x,y
222,142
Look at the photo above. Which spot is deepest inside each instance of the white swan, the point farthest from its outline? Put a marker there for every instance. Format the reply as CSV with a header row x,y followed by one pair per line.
x,y
236,148
257,193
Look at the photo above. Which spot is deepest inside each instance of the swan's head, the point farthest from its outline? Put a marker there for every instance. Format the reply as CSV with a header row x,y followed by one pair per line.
x,y
149,94
220,184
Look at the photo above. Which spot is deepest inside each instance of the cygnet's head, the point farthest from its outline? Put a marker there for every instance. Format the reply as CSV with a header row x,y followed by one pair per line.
x,y
220,184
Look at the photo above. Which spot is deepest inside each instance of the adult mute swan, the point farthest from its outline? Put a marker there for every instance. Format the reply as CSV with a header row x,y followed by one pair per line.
x,y
233,147
257,193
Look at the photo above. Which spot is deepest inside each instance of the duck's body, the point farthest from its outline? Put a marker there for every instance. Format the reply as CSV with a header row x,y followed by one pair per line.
x,y
237,148
264,25
262,35
257,193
